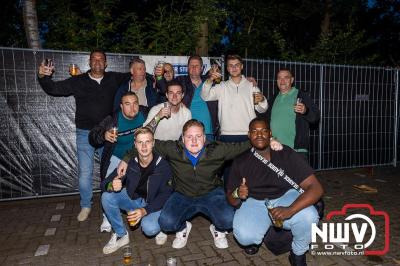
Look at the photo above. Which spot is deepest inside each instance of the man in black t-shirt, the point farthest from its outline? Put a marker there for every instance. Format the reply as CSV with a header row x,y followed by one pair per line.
x,y
142,193
281,180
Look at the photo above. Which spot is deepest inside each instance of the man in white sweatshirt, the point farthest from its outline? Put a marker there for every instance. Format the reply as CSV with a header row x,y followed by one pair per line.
x,y
236,103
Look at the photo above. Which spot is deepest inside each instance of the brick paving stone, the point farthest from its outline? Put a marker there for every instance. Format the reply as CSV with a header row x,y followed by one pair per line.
x,y
229,263
55,218
191,257
208,251
50,232
241,258
210,261
358,263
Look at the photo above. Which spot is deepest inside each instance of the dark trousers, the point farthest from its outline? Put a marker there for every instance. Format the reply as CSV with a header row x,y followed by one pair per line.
x,y
180,208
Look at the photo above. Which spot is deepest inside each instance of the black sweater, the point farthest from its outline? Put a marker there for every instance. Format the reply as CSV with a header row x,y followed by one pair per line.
x,y
94,101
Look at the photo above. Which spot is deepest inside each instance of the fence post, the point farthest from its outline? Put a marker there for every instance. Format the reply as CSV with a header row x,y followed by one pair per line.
x,y
396,118
223,66
321,108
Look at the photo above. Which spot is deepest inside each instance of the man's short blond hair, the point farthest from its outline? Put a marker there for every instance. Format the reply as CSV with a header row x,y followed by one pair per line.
x,y
143,130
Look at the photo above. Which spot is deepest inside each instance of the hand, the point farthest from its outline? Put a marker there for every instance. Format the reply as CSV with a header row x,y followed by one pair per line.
x,y
136,215
158,71
275,145
45,70
110,137
213,75
117,183
243,190
300,108
259,97
122,168
164,112
281,213
252,80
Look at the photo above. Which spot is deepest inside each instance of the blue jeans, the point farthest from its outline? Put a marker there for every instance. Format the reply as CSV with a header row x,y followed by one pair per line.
x,y
251,222
180,208
85,154
114,162
114,201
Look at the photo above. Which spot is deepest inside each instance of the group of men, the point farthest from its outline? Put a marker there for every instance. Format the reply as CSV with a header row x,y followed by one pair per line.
x,y
163,166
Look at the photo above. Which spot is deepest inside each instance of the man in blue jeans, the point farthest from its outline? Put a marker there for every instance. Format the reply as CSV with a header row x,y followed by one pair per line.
x,y
198,189
279,180
115,144
94,93
141,193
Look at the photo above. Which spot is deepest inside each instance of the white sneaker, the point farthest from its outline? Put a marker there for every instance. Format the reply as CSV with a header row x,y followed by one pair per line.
x,y
161,238
105,225
220,240
114,244
83,214
182,237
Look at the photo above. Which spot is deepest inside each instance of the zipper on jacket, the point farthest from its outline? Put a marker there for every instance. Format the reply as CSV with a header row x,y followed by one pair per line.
x,y
147,187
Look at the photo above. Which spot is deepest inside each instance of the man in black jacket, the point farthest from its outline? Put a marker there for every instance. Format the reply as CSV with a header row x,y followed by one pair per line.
x,y
116,144
94,93
141,193
291,114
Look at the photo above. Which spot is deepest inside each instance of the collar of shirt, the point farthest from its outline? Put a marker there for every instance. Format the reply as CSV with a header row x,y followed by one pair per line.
x,y
194,160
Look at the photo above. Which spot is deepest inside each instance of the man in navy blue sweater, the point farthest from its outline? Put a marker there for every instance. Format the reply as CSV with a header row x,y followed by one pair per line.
x,y
142,193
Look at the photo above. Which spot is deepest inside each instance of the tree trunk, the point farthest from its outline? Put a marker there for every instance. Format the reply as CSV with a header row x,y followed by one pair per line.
x,y
31,24
326,22
202,43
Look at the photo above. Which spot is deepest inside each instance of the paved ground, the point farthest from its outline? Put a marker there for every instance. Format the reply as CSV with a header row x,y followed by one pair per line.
x,y
49,227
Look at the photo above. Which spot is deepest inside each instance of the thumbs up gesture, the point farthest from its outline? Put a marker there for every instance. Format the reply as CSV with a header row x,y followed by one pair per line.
x,y
117,183
243,190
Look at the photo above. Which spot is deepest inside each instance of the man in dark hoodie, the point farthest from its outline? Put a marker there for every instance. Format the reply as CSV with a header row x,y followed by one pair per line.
x,y
142,193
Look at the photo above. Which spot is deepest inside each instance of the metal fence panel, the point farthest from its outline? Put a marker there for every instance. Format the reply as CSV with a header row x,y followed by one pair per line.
x,y
358,110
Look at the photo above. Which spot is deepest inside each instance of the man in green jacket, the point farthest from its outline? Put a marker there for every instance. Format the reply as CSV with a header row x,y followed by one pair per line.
x,y
198,189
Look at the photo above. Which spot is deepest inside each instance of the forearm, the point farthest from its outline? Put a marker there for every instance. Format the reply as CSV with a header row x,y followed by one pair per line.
x,y
262,107
308,198
152,125
59,88
206,92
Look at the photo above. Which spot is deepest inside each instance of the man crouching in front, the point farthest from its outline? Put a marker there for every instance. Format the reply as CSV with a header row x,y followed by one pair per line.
x,y
280,182
142,193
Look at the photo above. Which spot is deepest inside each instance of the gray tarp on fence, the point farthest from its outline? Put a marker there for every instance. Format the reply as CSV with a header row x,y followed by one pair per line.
x,y
37,139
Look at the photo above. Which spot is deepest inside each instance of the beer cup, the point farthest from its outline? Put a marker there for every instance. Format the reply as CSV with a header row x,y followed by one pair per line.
x,y
73,69
160,64
127,251
132,223
167,105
